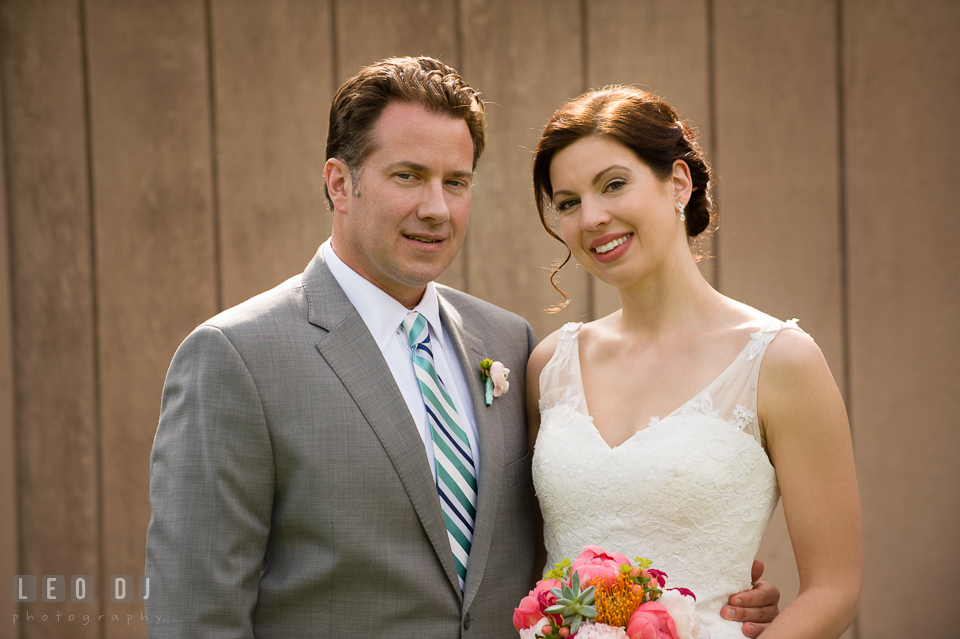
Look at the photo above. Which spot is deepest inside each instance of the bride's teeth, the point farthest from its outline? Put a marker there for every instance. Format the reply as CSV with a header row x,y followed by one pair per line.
x,y
612,244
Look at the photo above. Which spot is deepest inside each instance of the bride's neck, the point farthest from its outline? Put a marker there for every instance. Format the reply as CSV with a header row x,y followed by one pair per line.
x,y
675,298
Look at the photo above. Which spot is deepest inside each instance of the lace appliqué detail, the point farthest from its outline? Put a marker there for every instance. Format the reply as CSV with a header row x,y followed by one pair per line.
x,y
567,337
567,400
743,416
702,407
766,334
653,421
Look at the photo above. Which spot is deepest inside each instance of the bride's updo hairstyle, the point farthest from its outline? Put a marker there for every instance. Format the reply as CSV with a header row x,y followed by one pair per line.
x,y
642,122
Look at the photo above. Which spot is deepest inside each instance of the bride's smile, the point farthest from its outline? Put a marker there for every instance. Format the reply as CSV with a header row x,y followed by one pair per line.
x,y
617,216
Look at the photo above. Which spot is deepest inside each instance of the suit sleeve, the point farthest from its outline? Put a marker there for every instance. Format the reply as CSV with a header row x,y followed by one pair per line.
x,y
211,492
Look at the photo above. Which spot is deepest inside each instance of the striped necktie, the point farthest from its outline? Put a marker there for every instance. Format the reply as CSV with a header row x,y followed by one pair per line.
x,y
456,476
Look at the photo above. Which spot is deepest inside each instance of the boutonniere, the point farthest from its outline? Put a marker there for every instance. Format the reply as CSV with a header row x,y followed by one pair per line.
x,y
495,381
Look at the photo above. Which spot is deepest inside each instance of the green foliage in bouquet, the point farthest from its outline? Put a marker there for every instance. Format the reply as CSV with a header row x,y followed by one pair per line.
x,y
573,604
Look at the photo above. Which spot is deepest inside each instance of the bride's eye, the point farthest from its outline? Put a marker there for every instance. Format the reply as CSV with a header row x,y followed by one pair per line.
x,y
566,205
615,185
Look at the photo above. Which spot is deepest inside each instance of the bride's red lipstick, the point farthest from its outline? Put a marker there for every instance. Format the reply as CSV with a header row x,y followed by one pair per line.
x,y
625,238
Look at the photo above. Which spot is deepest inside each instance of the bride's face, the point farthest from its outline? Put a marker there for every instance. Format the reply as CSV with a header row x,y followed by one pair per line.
x,y
618,219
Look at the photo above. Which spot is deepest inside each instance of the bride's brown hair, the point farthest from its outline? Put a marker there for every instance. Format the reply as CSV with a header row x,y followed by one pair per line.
x,y
642,122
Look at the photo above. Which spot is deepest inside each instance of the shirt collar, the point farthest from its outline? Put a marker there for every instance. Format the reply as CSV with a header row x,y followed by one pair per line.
x,y
379,311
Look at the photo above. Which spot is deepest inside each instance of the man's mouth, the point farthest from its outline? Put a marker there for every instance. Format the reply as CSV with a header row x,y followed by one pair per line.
x,y
418,238
612,244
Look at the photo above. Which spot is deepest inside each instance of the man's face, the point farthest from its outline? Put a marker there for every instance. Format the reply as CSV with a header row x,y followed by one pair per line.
x,y
409,219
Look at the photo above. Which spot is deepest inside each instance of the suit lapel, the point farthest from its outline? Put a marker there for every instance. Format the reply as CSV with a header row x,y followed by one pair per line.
x,y
352,353
470,351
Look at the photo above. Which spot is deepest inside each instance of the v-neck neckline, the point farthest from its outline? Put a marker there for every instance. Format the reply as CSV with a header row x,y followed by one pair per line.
x,y
586,405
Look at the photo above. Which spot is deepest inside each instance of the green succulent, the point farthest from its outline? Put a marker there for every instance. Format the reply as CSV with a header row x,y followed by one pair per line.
x,y
573,604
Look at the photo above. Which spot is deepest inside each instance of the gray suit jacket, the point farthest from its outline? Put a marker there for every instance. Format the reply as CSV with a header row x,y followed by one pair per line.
x,y
290,488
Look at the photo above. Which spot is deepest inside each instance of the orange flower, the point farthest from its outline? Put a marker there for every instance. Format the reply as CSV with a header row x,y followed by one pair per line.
x,y
615,600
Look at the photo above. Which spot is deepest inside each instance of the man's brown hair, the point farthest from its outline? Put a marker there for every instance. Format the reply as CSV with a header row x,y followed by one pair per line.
x,y
361,100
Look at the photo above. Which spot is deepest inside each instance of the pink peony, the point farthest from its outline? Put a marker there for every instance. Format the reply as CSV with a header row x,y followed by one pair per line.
x,y
531,608
596,563
527,613
543,594
499,374
651,621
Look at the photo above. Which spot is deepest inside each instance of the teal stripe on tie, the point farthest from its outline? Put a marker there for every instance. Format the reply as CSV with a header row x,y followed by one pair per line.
x,y
456,474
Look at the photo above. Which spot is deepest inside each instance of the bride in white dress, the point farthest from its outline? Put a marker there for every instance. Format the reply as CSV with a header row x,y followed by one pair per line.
x,y
670,428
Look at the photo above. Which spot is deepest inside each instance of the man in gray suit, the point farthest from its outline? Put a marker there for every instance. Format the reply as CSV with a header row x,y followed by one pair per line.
x,y
326,464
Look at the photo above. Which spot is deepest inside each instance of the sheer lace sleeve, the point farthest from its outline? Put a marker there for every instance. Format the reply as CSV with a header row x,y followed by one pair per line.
x,y
735,395
560,379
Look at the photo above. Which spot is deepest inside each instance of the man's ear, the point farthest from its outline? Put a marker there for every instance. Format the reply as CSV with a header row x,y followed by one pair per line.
x,y
681,181
339,183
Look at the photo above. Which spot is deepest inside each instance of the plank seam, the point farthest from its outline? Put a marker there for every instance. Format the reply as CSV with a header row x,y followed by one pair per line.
x,y
94,275
214,172
845,352
712,120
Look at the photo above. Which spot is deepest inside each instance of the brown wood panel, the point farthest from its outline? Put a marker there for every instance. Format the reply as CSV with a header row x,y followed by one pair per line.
x,y
273,75
902,69
779,182
9,519
154,221
661,46
370,30
526,58
52,293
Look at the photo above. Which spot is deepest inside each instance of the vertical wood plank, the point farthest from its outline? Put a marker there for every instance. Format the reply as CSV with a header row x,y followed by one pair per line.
x,y
9,517
52,293
273,75
526,58
902,70
777,138
154,223
370,30
660,46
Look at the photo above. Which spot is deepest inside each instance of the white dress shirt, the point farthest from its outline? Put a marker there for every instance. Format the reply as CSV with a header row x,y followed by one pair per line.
x,y
383,316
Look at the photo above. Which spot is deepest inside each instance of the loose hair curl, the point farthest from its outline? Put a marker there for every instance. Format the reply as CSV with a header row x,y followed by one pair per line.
x,y
642,122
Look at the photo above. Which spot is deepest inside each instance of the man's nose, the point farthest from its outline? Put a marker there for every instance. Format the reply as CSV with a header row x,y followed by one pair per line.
x,y
434,205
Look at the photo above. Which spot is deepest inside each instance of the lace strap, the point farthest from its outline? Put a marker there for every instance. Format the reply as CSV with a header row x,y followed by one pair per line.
x,y
735,396
560,381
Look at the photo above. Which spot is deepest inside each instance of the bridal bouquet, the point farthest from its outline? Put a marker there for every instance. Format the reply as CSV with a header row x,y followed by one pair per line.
x,y
601,595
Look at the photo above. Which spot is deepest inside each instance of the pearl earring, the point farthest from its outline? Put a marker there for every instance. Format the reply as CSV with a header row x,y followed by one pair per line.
x,y
680,208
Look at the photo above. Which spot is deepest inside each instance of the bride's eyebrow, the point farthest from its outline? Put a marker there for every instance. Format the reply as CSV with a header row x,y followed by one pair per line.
x,y
596,178
599,176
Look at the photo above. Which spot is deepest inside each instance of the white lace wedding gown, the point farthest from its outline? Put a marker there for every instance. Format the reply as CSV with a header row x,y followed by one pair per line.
x,y
692,492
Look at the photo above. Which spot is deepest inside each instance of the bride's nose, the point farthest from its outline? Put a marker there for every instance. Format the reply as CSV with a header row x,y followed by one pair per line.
x,y
593,214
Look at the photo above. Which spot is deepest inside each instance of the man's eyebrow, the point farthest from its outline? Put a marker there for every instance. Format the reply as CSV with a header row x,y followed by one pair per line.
x,y
420,168
405,164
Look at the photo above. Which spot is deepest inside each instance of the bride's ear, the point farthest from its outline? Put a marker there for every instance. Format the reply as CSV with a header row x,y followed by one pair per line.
x,y
681,182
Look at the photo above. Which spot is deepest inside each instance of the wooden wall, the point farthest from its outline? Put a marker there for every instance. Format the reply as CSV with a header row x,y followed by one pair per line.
x,y
163,160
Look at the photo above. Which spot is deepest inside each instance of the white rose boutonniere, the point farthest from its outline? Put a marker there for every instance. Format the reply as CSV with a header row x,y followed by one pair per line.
x,y
495,380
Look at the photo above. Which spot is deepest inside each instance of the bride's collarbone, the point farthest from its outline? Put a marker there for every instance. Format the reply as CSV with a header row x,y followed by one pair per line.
x,y
626,387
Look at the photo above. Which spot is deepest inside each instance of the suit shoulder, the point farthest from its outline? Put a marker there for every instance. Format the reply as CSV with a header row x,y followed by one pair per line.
x,y
284,299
